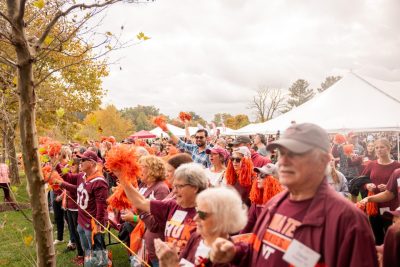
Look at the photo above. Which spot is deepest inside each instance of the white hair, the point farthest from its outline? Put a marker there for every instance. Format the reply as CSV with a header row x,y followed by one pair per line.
x,y
228,207
192,174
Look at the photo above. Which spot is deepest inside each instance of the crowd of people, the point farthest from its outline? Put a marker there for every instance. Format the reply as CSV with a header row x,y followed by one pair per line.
x,y
303,198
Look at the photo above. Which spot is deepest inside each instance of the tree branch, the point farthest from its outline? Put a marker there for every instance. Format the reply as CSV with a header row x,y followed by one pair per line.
x,y
21,11
8,62
6,18
66,12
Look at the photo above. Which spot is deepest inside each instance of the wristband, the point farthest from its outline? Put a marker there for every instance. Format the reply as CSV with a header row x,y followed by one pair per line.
x,y
135,218
169,133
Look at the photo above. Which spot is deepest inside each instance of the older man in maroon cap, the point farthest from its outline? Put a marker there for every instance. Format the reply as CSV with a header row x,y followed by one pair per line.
x,y
309,224
92,193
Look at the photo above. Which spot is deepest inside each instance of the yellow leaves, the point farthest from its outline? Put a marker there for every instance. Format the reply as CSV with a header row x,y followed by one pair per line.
x,y
142,36
48,40
60,112
109,33
108,47
15,81
39,4
65,170
14,189
28,240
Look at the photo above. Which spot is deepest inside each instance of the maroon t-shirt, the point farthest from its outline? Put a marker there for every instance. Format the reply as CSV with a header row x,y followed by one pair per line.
x,y
254,211
158,191
394,185
279,233
380,174
91,198
178,221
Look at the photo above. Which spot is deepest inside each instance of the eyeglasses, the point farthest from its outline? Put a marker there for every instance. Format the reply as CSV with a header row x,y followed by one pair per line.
x,y
202,214
262,175
84,160
179,186
237,160
199,137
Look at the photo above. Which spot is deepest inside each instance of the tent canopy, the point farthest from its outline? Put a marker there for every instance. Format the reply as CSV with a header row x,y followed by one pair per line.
x,y
354,103
175,130
142,135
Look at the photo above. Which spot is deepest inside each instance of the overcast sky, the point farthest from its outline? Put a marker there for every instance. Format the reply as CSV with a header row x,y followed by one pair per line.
x,y
209,56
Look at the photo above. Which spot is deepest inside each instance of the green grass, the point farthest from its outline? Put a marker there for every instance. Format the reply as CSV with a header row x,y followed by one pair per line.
x,y
14,228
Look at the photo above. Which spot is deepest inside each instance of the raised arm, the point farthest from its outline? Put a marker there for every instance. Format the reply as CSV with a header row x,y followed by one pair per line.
x,y
139,201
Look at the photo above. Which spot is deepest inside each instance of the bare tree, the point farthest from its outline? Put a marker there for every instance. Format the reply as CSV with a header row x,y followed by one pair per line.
x,y
266,103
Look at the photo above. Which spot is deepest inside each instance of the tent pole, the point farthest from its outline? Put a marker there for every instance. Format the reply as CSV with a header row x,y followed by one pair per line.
x,y
398,148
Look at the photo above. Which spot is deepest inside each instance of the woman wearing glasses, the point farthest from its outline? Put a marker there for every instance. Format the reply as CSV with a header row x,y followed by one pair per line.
x,y
239,172
220,212
174,217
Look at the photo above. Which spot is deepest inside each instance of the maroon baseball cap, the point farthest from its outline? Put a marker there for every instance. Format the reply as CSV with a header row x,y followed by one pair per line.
x,y
301,138
89,155
218,150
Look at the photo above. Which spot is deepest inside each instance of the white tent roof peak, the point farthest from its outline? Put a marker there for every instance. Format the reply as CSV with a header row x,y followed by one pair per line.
x,y
354,103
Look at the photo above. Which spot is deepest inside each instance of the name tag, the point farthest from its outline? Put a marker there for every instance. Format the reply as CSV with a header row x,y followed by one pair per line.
x,y
299,254
178,217
382,210
185,263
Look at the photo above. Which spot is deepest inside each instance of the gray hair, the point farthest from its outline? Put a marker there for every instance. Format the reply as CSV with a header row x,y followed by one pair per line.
x,y
227,205
192,174
141,151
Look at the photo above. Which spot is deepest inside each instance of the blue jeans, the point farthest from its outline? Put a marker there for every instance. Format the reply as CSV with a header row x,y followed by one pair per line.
x,y
86,238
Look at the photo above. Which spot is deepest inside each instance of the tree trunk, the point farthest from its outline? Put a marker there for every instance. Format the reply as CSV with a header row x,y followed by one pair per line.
x,y
27,101
12,154
3,147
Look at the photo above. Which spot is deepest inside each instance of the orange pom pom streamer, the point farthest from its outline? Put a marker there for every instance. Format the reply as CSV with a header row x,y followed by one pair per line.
x,y
246,172
123,159
54,148
263,195
371,207
183,116
136,237
348,149
44,140
161,122
230,174
50,176
118,200
339,139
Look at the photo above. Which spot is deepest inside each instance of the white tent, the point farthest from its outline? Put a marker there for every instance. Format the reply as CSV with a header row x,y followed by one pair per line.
x,y
222,131
354,103
175,130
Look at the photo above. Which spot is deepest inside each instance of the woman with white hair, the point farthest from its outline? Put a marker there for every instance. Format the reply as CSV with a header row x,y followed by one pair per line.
x,y
173,217
220,212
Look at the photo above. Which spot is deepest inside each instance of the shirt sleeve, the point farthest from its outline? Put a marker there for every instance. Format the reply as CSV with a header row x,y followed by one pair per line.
x,y
185,146
344,189
392,184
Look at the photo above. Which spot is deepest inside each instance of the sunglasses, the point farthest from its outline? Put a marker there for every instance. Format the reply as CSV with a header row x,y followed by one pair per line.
x,y
237,160
262,175
202,214
199,137
84,160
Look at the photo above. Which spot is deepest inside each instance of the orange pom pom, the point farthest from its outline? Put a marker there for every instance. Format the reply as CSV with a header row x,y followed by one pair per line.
x,y
340,139
44,140
118,200
371,207
348,149
161,122
183,116
123,159
256,195
50,175
230,174
54,148
271,188
246,172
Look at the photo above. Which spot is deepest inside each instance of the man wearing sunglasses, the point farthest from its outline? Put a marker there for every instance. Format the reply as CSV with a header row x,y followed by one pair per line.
x,y
256,158
198,150
308,224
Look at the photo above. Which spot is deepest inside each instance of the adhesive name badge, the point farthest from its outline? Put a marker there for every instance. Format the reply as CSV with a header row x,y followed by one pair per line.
x,y
382,210
185,263
299,254
178,217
